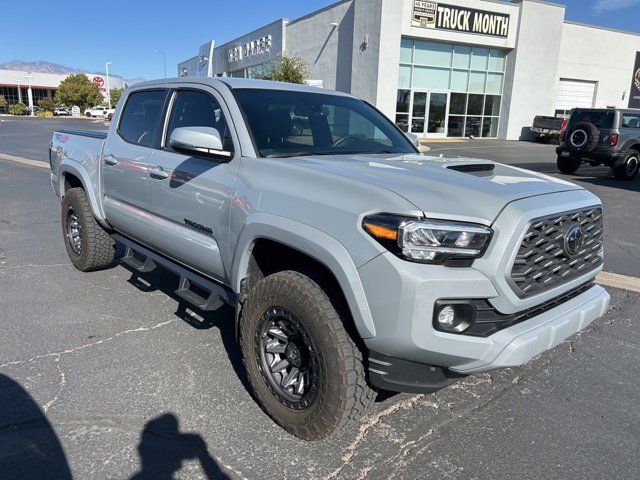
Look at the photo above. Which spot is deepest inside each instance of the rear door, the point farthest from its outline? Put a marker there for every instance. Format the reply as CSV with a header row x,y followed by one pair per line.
x,y
190,196
126,159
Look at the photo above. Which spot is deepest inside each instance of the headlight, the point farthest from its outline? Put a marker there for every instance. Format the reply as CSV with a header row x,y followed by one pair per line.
x,y
429,241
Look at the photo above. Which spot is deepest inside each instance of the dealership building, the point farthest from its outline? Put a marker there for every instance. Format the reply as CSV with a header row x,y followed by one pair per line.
x,y
467,68
14,85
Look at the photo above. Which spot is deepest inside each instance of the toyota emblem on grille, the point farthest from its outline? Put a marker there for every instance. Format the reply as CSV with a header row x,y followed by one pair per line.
x,y
573,241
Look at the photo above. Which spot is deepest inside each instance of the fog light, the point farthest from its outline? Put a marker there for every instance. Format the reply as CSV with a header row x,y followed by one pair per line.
x,y
453,317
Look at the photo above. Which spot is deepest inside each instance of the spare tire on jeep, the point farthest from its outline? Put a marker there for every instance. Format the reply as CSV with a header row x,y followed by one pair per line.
x,y
582,137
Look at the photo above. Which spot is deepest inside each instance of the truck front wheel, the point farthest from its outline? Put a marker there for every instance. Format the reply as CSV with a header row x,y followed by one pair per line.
x,y
306,372
88,245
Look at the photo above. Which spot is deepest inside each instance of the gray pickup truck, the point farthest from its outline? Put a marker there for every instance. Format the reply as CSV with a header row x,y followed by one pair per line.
x,y
354,263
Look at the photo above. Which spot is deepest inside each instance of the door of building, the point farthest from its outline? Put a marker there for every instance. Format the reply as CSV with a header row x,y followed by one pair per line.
x,y
429,112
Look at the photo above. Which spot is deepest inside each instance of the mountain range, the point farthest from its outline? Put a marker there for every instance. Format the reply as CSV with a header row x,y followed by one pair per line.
x,y
49,67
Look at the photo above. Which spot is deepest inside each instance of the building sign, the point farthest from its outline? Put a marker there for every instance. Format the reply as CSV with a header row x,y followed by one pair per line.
x,y
440,16
634,96
250,49
99,82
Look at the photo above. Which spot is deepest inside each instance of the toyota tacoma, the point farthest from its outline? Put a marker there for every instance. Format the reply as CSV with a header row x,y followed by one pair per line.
x,y
354,263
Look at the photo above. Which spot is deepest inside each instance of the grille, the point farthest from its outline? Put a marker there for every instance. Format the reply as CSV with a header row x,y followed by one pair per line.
x,y
544,261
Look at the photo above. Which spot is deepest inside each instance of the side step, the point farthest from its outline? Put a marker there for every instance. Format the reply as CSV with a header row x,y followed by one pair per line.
x,y
198,290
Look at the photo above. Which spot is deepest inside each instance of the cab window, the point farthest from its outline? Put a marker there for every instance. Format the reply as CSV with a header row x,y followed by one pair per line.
x,y
192,108
139,119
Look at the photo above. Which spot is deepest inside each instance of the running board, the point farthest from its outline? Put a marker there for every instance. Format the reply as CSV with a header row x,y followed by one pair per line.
x,y
142,260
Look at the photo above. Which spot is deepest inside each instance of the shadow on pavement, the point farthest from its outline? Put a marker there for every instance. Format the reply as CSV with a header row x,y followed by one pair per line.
x,y
29,447
223,318
163,448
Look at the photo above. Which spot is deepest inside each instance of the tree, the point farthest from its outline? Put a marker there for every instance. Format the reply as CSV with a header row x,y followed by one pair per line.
x,y
3,102
47,104
115,94
18,109
79,90
288,68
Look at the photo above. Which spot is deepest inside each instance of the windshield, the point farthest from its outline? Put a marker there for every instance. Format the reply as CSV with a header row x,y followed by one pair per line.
x,y
288,123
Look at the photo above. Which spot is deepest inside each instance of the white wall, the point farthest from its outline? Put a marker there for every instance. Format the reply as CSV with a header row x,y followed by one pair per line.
x,y
532,67
326,49
604,56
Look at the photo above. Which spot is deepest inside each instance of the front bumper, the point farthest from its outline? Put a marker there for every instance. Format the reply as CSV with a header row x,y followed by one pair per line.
x,y
402,295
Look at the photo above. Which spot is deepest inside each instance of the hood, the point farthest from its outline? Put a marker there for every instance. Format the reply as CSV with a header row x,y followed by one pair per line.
x,y
458,189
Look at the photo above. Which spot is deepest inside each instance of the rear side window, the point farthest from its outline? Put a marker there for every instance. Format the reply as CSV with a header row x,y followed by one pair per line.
x,y
139,119
630,120
600,118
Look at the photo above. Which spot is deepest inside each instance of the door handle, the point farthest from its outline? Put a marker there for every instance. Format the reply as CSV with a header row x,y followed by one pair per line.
x,y
110,159
158,173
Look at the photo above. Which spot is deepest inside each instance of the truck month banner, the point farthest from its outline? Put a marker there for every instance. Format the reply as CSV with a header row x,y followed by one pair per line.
x,y
459,19
634,96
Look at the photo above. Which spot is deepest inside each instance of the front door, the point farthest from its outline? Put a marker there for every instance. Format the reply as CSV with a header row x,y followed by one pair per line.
x,y
429,111
190,196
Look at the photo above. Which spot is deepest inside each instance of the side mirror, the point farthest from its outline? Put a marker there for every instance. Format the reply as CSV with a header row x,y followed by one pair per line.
x,y
413,138
198,141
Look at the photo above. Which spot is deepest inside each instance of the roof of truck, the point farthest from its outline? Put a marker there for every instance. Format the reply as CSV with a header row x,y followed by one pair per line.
x,y
237,83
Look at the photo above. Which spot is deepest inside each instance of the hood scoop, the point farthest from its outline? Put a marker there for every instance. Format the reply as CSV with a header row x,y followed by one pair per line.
x,y
473,167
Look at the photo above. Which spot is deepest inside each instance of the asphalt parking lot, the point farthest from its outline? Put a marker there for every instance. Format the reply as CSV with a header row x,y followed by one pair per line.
x,y
106,375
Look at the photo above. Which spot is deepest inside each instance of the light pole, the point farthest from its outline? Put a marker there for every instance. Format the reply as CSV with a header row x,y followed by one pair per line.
x,y
19,91
30,93
164,61
108,88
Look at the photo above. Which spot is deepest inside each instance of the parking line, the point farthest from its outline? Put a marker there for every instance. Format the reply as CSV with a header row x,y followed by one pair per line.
x,y
615,280
24,161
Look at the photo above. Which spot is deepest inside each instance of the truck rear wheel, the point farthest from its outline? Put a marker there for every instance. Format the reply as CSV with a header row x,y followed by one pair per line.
x,y
305,370
568,165
88,245
627,167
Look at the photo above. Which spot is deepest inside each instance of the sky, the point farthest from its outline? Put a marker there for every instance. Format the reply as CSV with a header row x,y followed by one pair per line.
x,y
86,34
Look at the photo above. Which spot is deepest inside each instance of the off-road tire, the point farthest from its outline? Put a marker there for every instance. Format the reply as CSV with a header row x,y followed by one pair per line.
x,y
628,166
343,394
568,165
586,138
98,248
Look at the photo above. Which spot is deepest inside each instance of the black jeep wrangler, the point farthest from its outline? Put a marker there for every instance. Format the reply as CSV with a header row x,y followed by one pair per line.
x,y
601,137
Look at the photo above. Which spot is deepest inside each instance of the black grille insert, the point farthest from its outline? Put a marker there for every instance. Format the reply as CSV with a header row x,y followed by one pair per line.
x,y
546,258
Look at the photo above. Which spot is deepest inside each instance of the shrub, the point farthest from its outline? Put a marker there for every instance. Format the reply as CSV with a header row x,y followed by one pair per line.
x,y
45,114
18,109
288,68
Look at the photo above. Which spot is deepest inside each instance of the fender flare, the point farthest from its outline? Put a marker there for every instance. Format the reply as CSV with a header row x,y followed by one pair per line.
x,y
315,243
69,167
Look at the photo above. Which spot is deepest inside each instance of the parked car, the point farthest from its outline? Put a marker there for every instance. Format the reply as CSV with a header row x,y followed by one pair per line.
x,y
61,112
35,109
601,137
109,114
547,129
99,111
352,262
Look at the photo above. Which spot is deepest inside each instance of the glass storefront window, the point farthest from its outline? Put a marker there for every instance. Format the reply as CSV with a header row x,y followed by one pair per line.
x,y
433,53
490,127
475,105
456,126
479,58
459,80
496,60
492,105
431,78
458,104
494,83
472,127
477,82
406,51
461,57
404,77
473,75
402,102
